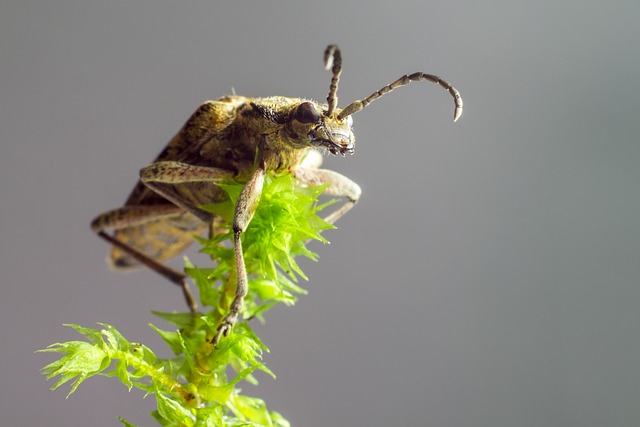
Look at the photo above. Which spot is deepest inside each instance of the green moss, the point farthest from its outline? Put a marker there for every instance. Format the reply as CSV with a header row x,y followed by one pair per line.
x,y
198,386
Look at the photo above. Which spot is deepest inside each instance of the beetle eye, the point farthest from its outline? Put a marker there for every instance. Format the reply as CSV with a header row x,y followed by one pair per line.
x,y
306,113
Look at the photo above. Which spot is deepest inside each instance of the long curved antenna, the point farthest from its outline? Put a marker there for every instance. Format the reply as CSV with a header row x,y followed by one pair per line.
x,y
356,106
333,60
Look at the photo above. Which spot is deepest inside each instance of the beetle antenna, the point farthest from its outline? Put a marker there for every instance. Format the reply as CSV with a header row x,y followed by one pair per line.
x,y
356,106
333,60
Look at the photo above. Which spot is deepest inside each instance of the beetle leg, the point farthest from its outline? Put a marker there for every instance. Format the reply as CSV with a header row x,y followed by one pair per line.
x,y
245,208
130,216
160,176
339,185
180,173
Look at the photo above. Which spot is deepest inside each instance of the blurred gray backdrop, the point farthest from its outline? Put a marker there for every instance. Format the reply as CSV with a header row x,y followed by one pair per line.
x,y
490,275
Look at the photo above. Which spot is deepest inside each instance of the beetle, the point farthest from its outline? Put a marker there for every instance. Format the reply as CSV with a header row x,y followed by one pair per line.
x,y
241,139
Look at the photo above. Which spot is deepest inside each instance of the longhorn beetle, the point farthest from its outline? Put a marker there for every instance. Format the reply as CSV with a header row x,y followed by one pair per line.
x,y
242,139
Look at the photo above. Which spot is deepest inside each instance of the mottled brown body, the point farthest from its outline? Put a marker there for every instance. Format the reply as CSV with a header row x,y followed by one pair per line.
x,y
224,134
241,139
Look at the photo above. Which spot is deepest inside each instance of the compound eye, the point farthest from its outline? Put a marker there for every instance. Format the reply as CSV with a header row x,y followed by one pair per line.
x,y
306,113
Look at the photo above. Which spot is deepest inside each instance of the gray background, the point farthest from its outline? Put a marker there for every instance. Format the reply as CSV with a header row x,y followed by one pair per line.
x,y
490,274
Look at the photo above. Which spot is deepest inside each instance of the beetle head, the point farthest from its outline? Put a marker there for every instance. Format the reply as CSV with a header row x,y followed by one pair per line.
x,y
330,127
322,131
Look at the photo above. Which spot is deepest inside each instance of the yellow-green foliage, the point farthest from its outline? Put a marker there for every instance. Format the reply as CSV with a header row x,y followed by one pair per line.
x,y
196,386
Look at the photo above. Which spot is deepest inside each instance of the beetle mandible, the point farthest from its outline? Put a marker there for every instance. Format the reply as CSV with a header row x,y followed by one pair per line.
x,y
241,139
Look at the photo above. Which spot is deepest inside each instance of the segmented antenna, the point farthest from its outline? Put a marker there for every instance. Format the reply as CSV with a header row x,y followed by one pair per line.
x,y
356,106
333,60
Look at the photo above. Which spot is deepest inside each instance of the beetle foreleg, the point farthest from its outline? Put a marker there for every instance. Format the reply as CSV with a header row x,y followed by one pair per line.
x,y
339,185
173,173
245,208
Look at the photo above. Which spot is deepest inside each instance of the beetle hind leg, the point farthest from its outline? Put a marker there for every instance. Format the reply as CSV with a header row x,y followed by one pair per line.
x,y
132,216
